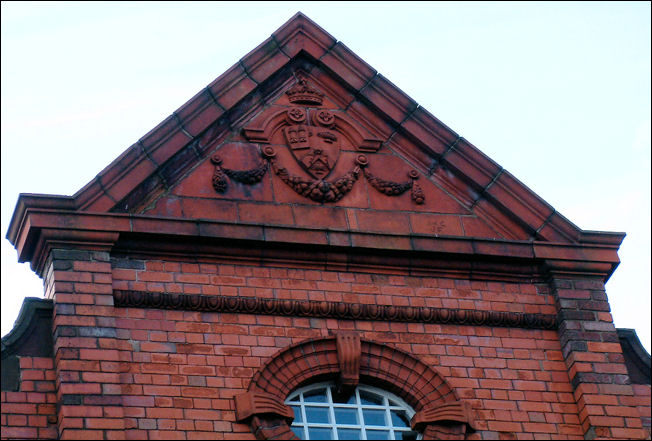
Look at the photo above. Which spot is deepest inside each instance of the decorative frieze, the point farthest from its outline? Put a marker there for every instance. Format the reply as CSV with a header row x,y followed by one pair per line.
x,y
339,310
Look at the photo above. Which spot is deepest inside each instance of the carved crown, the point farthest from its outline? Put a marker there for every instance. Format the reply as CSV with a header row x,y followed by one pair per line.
x,y
303,93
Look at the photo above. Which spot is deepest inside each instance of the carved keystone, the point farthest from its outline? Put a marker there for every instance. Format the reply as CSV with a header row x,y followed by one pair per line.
x,y
257,403
458,411
349,351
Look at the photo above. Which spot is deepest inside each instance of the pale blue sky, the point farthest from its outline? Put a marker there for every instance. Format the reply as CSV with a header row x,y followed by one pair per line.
x,y
556,93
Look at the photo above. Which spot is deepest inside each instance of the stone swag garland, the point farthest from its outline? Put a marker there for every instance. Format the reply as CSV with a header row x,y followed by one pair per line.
x,y
318,190
313,137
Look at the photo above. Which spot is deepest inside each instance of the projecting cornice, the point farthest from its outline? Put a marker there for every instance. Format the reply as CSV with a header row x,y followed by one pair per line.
x,y
36,229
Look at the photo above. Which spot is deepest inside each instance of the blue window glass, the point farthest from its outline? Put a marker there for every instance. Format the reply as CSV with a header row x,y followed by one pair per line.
x,y
317,414
321,412
346,416
399,418
378,434
373,417
319,433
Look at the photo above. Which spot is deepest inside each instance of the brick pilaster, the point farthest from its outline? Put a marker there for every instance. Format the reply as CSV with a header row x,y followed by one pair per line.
x,y
594,359
87,354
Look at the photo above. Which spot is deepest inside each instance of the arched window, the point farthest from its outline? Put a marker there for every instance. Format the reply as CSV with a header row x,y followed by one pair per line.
x,y
366,412
414,399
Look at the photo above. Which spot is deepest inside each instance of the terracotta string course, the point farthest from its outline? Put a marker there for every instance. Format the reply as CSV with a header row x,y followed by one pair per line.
x,y
143,299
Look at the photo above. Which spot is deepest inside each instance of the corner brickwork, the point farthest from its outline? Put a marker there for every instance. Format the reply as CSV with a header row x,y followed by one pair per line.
x,y
87,354
641,400
30,412
596,366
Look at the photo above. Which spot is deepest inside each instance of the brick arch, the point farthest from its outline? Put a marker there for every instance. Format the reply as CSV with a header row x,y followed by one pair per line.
x,y
439,413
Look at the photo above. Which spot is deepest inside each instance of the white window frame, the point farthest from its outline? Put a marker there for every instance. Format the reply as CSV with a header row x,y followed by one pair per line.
x,y
332,425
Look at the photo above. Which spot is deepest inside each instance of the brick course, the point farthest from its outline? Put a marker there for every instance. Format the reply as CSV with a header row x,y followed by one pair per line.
x,y
481,363
125,372
30,412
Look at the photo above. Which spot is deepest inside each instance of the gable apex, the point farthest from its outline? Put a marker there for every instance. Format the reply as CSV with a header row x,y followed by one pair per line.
x,y
484,200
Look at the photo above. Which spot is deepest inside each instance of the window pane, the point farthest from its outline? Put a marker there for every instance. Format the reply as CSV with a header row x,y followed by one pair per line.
x,y
297,414
370,398
315,433
321,412
346,416
315,396
374,417
343,398
317,414
407,435
349,433
298,431
377,434
400,419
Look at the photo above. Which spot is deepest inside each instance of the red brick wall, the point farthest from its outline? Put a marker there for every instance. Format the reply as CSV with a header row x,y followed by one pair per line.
x,y
308,284
159,373
194,363
641,400
30,412
190,365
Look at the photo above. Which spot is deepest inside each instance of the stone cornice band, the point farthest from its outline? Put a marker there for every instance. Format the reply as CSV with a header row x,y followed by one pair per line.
x,y
338,310
40,223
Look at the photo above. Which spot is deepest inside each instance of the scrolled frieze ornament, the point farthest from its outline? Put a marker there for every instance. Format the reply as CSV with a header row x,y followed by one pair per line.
x,y
336,310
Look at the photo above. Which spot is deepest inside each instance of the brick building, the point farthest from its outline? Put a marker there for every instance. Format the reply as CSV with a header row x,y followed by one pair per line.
x,y
302,249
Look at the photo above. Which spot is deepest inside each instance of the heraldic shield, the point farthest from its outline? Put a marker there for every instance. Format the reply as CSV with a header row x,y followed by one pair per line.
x,y
315,148
315,136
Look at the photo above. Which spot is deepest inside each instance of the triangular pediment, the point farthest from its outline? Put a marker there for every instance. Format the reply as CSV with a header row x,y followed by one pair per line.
x,y
312,161
302,132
